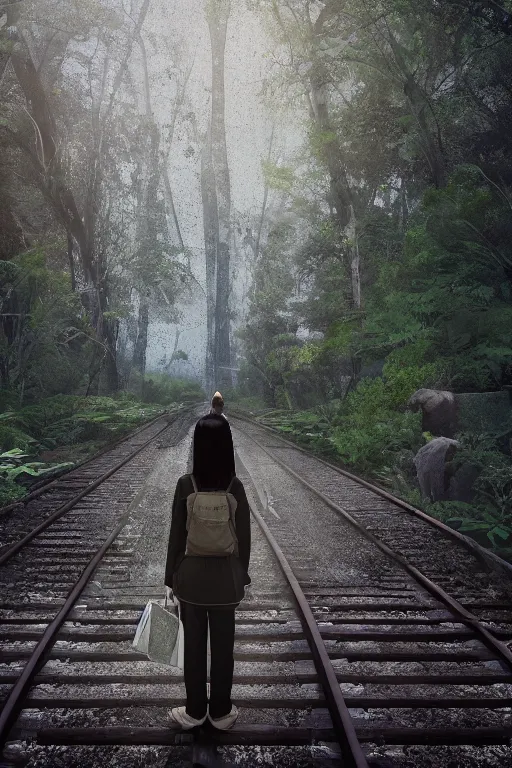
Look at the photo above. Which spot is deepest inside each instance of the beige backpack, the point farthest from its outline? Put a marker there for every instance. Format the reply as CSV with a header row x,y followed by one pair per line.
x,y
211,522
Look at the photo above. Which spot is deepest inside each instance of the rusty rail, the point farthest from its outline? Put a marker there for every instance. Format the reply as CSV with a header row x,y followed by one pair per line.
x,y
44,485
14,703
343,725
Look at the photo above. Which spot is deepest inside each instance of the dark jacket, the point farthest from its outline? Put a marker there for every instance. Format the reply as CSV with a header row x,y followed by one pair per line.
x,y
207,580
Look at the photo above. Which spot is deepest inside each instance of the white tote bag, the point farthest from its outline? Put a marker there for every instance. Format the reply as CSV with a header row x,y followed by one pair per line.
x,y
159,635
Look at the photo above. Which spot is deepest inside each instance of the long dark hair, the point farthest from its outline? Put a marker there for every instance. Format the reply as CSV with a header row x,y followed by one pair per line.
x,y
214,457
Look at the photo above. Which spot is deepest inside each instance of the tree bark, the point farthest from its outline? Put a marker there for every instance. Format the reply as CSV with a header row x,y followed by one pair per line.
x,y
81,229
342,197
218,16
211,237
141,343
147,224
264,203
417,98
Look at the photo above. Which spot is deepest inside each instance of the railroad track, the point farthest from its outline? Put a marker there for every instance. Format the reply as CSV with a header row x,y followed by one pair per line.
x,y
432,660
343,654
19,518
73,529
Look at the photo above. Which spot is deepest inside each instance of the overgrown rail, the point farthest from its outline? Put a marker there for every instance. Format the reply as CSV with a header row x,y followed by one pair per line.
x,y
487,557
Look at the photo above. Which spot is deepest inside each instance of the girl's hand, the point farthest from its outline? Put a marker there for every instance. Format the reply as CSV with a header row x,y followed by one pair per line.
x,y
170,596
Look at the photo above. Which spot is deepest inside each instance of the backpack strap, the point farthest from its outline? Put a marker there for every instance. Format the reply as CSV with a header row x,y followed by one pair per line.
x,y
194,483
231,483
232,523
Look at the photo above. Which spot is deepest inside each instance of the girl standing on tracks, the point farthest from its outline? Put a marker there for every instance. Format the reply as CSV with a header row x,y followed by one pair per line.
x,y
209,586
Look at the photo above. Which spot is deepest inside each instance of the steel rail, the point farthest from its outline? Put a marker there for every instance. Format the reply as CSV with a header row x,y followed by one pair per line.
x,y
17,546
16,698
463,615
43,486
343,724
480,552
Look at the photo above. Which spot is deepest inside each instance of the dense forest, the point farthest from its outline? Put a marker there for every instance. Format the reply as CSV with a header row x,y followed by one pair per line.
x,y
377,263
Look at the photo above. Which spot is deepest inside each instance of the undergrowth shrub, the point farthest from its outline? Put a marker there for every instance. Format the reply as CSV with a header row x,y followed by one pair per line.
x,y
13,437
163,389
56,424
371,449
17,472
371,426
10,491
488,518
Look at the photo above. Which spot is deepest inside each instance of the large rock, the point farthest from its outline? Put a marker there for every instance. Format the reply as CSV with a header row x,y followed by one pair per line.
x,y
430,463
461,482
439,409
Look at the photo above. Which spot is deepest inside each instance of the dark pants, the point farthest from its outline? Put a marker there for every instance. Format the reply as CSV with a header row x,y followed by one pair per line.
x,y
222,639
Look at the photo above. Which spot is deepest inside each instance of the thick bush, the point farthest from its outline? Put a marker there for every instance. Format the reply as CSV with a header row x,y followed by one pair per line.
x,y
372,448
12,437
10,491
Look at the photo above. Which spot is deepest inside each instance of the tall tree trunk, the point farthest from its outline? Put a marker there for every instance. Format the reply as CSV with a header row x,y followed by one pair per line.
x,y
141,343
110,332
147,242
264,202
403,210
342,197
147,224
218,15
420,106
211,237
51,179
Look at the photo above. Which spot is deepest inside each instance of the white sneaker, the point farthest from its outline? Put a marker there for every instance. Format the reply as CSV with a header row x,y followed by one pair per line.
x,y
223,723
179,715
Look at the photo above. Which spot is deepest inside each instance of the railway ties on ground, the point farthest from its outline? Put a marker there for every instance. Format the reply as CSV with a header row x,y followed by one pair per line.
x,y
416,680
423,660
57,548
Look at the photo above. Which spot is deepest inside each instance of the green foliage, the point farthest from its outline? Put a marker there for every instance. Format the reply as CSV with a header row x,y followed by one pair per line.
x,y
62,427
10,491
376,397
445,299
372,448
321,140
53,336
13,467
478,520
269,335
12,437
278,177
164,389
308,428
